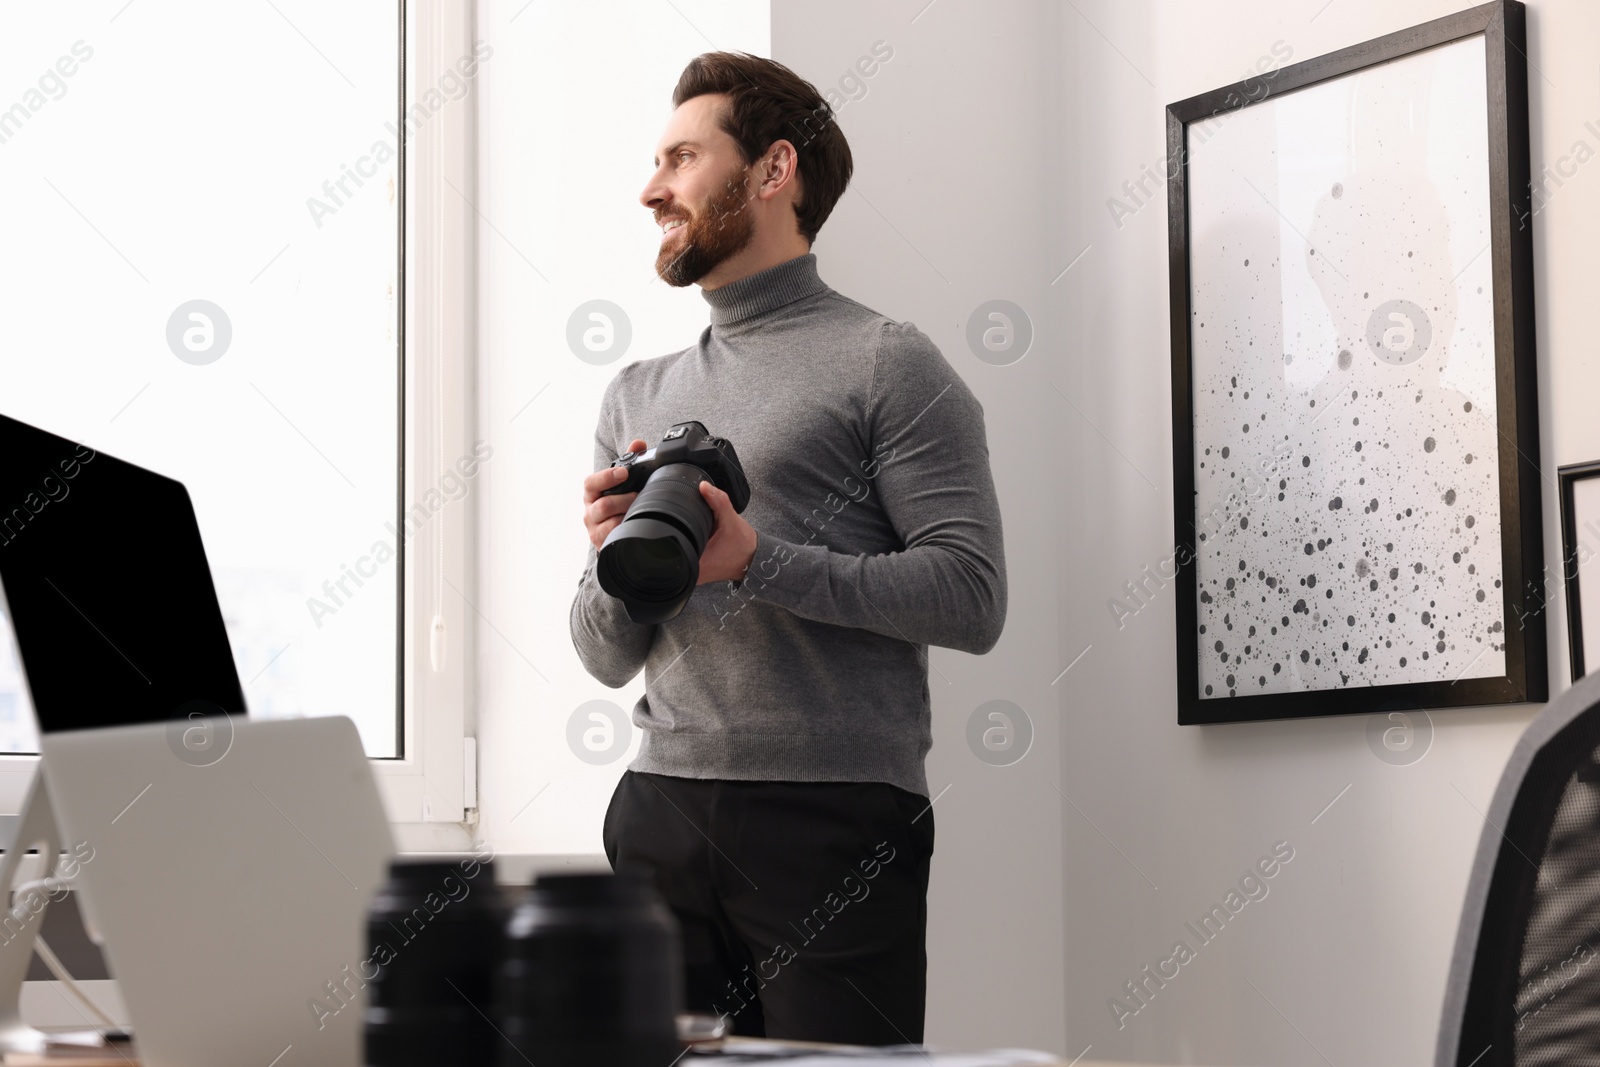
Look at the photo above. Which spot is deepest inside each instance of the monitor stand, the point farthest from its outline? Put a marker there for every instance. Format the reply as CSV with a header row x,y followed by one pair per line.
x,y
35,829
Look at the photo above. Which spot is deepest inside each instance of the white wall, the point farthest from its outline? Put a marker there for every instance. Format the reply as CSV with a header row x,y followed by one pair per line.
x,y
1345,960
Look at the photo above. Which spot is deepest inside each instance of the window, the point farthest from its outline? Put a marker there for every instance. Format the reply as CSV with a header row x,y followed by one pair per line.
x,y
203,276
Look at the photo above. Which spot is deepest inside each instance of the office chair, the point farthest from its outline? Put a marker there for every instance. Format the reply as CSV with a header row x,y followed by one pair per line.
x,y
1524,984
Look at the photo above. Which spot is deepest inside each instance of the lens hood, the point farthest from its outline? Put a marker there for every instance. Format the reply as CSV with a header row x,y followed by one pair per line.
x,y
651,566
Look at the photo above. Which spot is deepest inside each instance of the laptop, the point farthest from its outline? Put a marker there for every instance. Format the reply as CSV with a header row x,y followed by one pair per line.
x,y
108,588
226,865
230,896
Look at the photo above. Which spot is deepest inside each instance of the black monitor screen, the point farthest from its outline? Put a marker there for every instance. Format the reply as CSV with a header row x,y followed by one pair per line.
x,y
108,589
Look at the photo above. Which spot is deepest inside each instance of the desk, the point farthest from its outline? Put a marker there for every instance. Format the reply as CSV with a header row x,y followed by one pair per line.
x,y
103,1057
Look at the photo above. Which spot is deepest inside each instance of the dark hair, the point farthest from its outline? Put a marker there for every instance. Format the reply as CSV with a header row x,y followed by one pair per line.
x,y
770,102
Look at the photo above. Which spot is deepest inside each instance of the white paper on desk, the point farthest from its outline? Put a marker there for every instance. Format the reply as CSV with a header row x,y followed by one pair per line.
x,y
995,1058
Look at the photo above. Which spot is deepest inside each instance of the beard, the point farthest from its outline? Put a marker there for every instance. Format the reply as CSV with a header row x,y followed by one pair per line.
x,y
720,229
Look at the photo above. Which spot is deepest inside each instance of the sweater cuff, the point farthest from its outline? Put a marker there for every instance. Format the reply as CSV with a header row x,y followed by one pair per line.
x,y
608,613
785,572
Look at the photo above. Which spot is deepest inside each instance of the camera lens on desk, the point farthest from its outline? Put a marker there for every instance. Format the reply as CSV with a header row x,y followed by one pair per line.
x,y
592,974
434,936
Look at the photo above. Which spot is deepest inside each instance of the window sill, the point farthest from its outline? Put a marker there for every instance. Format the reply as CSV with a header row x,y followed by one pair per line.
x,y
521,868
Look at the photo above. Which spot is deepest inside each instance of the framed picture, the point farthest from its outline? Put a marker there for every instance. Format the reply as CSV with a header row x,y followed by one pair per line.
x,y
1355,422
1580,555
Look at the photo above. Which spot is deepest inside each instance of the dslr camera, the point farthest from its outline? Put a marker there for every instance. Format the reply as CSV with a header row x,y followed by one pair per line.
x,y
651,559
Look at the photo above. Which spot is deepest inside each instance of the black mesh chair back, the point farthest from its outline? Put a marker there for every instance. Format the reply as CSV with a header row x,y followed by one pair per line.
x,y
1524,985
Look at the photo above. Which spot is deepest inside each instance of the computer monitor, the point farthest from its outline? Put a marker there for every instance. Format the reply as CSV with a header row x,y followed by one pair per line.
x,y
107,588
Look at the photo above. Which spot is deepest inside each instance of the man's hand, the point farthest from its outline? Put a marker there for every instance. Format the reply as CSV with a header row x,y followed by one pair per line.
x,y
733,542
602,513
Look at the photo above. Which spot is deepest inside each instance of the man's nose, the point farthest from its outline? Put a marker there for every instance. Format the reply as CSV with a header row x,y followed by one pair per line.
x,y
653,195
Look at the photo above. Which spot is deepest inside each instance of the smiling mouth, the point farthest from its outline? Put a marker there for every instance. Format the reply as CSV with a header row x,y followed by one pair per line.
x,y
672,226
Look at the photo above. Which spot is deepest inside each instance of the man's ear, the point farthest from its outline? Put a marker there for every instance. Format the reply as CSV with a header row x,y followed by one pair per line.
x,y
779,169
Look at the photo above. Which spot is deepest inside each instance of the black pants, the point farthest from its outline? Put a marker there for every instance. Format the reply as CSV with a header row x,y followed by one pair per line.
x,y
803,905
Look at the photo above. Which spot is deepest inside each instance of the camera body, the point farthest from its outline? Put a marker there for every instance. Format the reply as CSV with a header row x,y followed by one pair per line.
x,y
687,442
651,559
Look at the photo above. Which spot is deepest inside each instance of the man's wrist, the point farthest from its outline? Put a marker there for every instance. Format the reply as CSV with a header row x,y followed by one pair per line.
x,y
755,550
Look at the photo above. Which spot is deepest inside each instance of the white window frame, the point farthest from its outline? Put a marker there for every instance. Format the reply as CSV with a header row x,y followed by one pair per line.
x,y
430,791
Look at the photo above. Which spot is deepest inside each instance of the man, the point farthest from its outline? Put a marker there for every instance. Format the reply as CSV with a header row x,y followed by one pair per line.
x,y
779,797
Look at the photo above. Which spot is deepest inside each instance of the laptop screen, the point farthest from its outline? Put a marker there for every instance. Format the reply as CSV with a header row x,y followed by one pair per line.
x,y
107,588
18,731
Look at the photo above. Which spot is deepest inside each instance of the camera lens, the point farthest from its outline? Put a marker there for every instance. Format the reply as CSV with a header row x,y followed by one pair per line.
x,y
655,568
651,560
434,934
592,974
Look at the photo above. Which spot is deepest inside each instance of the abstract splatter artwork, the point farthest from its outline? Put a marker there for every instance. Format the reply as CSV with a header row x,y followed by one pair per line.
x,y
1346,454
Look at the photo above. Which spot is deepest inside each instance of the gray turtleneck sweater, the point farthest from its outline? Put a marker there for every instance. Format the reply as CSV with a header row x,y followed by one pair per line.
x,y
878,534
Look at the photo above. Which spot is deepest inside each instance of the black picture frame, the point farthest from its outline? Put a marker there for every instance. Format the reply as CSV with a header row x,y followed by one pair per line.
x,y
1568,477
1503,27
